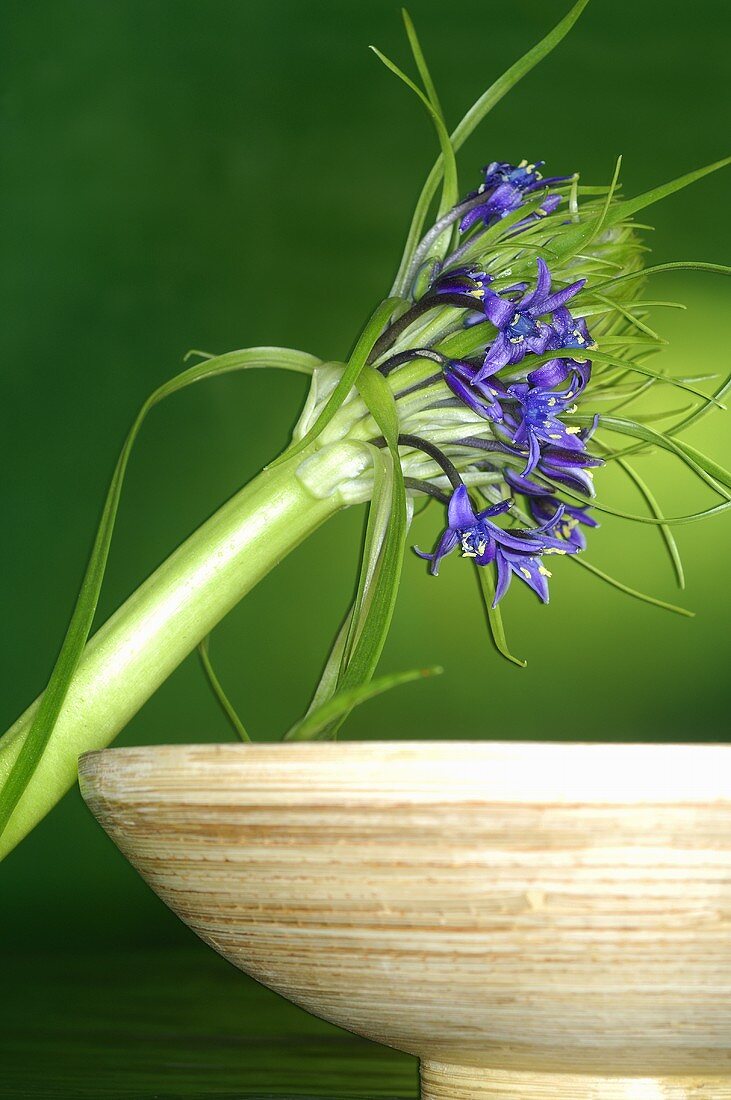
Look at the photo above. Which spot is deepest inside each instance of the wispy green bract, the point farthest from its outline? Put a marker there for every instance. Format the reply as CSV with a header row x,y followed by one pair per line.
x,y
86,603
319,721
471,121
355,365
223,700
633,592
666,533
494,617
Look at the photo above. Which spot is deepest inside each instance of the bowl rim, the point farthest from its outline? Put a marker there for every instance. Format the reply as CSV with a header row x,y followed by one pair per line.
x,y
563,772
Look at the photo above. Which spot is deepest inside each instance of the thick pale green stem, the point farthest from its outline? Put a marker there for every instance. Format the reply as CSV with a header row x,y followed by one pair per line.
x,y
148,637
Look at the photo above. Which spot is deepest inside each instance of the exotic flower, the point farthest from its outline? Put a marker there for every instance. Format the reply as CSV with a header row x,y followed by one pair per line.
x,y
481,397
504,188
543,508
567,333
569,468
519,329
461,286
538,421
485,542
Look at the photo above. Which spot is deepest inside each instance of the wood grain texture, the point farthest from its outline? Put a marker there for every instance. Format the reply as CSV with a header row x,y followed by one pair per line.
x,y
521,908
445,1082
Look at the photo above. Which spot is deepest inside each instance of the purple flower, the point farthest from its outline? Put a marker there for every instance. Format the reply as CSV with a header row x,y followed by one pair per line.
x,y
568,467
519,329
481,397
542,508
483,540
567,333
549,204
504,188
539,423
529,568
461,286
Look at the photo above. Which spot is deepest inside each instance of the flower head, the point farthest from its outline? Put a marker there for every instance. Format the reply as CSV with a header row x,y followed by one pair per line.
x,y
504,188
568,527
568,333
461,286
481,539
519,329
481,397
537,421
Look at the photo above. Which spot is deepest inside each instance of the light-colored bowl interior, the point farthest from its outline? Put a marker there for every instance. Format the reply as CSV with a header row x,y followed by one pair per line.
x,y
536,907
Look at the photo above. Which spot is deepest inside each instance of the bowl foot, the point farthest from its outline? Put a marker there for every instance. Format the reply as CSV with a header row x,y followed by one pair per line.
x,y
449,1082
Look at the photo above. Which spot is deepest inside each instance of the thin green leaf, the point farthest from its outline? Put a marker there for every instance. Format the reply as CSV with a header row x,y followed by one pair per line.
x,y
633,365
335,710
379,514
627,207
573,240
630,591
667,535
694,416
82,617
451,186
418,55
215,685
493,615
448,200
705,468
368,646
604,214
715,470
328,682
358,646
675,521
675,265
469,123
355,364
631,317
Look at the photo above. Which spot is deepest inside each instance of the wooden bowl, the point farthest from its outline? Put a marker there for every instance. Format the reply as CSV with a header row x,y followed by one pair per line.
x,y
531,921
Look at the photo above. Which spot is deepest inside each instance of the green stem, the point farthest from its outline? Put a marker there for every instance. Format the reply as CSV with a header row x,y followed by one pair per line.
x,y
166,618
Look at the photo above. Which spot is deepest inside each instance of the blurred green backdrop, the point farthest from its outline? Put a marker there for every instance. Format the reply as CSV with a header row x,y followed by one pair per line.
x,y
217,175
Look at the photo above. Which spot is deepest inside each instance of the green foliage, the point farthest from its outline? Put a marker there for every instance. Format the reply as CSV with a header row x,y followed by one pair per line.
x,y
83,614
320,720
223,700
470,122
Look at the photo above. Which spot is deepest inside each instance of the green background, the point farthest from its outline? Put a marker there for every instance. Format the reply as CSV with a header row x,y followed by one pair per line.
x,y
182,175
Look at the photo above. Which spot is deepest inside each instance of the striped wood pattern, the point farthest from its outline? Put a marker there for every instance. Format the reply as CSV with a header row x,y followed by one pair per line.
x,y
532,908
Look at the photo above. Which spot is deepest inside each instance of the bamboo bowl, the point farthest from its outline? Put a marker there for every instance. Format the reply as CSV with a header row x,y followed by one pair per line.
x,y
532,921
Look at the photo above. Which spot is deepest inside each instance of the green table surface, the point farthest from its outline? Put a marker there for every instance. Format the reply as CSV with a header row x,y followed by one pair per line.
x,y
174,1023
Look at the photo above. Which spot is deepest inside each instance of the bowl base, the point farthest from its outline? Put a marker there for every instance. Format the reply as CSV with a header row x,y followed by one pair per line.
x,y
449,1082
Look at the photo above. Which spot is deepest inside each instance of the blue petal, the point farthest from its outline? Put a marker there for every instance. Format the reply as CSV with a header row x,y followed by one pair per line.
x,y
542,287
529,571
446,545
561,297
495,510
534,454
523,485
497,357
551,374
460,511
503,578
